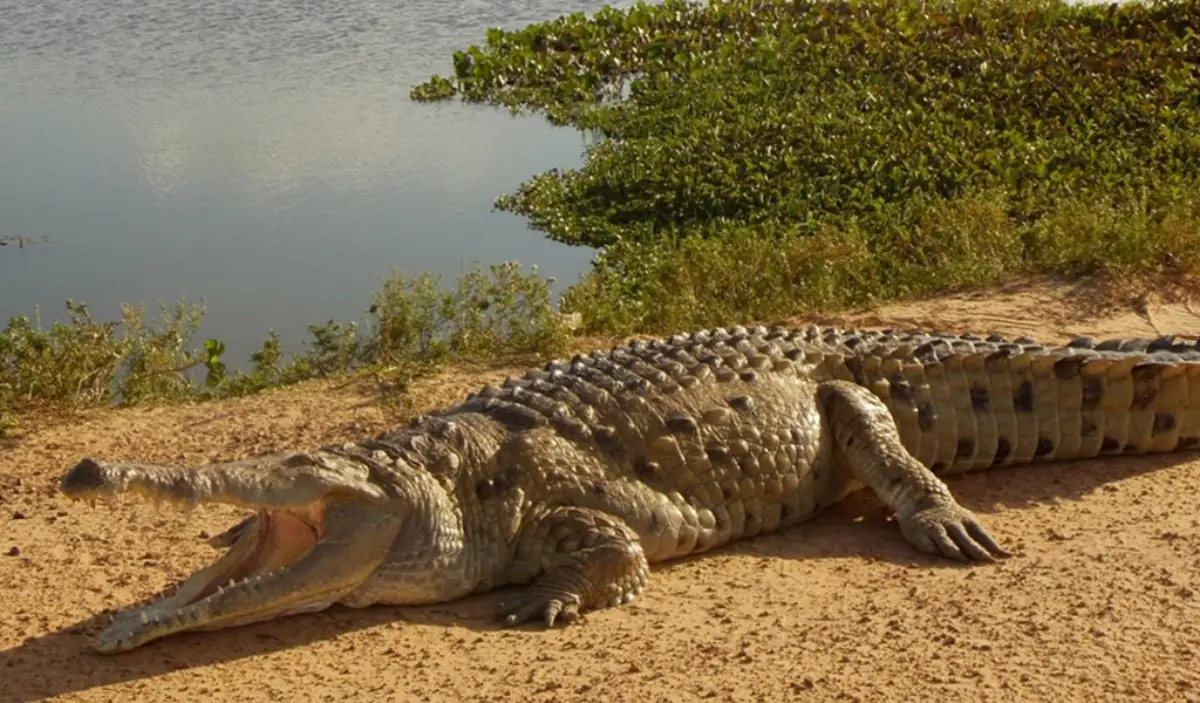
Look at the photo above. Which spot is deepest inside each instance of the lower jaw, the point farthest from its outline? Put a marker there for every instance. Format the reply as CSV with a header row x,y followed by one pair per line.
x,y
274,542
269,614
135,628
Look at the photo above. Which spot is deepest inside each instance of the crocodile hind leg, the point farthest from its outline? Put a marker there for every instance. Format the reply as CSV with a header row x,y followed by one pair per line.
x,y
578,559
867,444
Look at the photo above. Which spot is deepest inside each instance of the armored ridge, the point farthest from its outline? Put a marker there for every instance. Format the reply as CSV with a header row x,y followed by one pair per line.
x,y
575,477
965,403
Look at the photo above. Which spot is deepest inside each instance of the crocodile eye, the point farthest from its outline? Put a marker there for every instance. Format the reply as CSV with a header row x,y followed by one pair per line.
x,y
298,459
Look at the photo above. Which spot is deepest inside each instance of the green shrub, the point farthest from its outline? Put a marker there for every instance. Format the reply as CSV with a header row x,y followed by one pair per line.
x,y
946,143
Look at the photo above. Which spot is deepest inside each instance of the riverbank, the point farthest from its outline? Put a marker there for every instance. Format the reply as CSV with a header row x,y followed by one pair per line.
x,y
414,326
840,607
753,161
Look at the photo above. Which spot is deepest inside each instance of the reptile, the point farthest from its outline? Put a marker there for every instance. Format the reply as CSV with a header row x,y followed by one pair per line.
x,y
569,481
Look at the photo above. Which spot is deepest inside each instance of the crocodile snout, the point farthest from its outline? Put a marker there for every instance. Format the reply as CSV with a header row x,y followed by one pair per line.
x,y
85,477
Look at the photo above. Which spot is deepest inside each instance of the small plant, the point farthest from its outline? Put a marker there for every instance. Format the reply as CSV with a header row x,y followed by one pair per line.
x,y
408,317
488,313
503,311
8,424
157,358
437,88
73,361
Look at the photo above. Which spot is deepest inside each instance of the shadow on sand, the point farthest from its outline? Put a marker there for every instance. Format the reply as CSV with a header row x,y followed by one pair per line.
x,y
858,527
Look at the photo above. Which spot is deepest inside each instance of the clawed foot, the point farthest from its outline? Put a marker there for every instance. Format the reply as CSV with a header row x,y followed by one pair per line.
x,y
951,531
531,605
587,558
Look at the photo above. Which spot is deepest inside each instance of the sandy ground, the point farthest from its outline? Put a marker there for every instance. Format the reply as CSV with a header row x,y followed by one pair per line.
x,y
1101,600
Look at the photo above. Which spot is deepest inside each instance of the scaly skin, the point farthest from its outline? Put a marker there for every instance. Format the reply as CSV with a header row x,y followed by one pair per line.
x,y
575,478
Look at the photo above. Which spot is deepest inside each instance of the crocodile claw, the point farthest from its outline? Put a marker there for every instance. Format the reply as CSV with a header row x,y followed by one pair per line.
x,y
951,531
563,609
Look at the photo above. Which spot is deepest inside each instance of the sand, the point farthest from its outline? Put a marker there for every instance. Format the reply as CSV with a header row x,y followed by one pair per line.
x,y
1101,599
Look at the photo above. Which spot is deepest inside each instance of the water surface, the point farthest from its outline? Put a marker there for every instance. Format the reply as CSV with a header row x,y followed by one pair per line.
x,y
262,156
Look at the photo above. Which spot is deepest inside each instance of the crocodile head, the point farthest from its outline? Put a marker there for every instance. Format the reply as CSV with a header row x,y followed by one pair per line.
x,y
294,554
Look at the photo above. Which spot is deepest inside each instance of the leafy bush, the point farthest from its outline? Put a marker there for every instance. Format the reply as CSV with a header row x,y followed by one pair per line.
x,y
944,143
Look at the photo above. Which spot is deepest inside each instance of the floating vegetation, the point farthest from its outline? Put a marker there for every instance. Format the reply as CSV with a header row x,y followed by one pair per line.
x,y
761,158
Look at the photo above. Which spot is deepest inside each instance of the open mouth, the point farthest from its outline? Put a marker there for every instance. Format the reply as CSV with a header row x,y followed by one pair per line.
x,y
278,561
264,543
260,550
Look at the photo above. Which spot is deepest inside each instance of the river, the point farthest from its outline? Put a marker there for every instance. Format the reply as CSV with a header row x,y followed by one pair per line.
x,y
261,156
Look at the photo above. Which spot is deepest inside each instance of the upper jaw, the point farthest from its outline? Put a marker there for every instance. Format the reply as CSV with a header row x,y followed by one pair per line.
x,y
270,481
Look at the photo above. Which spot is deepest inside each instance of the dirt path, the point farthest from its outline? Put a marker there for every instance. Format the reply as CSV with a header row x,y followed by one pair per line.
x,y
1102,600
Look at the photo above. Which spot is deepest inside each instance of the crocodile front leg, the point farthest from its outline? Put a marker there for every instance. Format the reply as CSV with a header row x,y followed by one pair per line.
x,y
867,443
581,559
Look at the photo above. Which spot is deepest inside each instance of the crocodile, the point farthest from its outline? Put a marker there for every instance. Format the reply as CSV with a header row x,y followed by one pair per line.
x,y
569,481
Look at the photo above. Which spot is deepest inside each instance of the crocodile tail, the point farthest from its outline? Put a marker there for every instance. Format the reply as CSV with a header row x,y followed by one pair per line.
x,y
996,403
